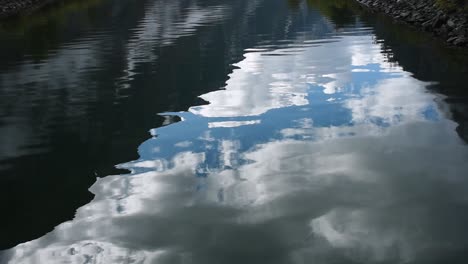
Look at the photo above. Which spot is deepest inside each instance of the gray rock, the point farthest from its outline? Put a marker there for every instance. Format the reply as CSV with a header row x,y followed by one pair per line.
x,y
452,39
461,41
451,23
404,14
427,15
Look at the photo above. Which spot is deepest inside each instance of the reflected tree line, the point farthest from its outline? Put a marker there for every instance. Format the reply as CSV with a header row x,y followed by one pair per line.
x,y
337,11
40,31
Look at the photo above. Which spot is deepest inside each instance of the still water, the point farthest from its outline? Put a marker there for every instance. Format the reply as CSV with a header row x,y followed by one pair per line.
x,y
247,131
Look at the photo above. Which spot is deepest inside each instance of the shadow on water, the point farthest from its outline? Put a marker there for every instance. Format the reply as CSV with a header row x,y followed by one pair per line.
x,y
83,99
80,90
55,145
341,12
70,110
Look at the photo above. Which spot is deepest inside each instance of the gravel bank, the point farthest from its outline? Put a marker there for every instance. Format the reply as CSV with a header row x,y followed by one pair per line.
x,y
452,26
9,8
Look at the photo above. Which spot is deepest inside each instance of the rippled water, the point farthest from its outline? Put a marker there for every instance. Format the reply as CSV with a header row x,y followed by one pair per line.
x,y
279,132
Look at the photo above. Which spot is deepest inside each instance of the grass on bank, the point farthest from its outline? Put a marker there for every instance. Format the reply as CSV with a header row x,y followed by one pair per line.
x,y
452,5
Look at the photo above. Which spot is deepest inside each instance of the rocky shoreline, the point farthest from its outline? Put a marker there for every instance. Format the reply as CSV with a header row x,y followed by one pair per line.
x,y
452,25
11,8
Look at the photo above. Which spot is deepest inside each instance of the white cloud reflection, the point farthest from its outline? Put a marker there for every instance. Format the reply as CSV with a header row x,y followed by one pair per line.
x,y
260,83
233,123
352,192
375,189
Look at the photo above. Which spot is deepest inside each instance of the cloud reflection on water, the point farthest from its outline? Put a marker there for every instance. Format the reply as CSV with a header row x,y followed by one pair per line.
x,y
330,154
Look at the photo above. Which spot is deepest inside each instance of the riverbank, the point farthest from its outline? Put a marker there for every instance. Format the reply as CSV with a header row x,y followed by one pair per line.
x,y
451,24
10,8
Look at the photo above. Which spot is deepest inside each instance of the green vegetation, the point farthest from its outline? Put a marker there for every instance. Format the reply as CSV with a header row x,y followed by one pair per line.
x,y
58,11
452,5
41,29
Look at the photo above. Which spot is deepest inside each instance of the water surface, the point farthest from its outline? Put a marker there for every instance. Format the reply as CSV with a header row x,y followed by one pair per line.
x,y
243,132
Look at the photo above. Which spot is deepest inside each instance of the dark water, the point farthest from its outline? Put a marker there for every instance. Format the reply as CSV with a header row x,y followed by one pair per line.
x,y
322,134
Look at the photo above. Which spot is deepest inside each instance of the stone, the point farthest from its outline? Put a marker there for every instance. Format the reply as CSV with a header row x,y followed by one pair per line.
x,y
450,23
427,23
426,15
404,14
437,22
452,39
461,41
443,30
